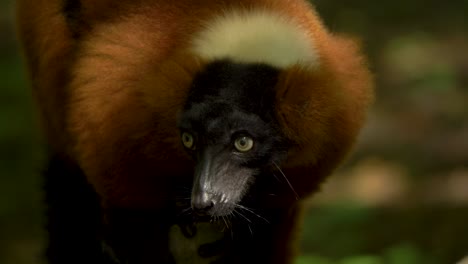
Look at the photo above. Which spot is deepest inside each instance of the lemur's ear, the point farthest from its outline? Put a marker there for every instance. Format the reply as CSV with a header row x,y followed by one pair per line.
x,y
302,102
81,14
321,109
171,80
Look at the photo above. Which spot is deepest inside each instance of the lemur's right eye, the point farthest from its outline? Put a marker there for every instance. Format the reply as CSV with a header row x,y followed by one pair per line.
x,y
243,143
188,140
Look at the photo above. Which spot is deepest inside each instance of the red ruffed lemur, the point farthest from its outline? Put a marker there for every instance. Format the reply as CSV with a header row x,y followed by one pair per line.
x,y
187,131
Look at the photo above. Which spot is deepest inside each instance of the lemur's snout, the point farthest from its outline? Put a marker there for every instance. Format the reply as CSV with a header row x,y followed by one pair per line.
x,y
202,203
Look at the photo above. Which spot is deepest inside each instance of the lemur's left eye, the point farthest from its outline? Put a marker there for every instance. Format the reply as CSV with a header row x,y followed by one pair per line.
x,y
243,143
188,141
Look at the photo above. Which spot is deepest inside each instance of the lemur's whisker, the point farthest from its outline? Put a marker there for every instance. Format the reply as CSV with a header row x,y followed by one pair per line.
x,y
287,181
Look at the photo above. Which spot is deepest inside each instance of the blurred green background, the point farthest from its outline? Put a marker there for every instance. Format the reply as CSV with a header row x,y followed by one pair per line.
x,y
401,198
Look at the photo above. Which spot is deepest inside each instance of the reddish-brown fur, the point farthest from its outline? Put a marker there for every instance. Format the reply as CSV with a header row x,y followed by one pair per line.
x,y
109,99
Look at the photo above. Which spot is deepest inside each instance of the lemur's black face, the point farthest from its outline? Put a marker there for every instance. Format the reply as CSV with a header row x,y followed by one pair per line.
x,y
229,127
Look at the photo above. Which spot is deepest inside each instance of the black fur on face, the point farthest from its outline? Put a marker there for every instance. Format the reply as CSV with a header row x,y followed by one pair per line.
x,y
229,127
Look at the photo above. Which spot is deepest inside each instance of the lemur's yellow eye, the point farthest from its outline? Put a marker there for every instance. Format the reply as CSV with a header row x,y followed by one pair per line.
x,y
187,140
243,143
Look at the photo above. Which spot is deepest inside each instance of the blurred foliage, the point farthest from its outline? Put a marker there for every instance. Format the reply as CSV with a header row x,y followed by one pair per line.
x,y
429,235
401,198
21,155
401,254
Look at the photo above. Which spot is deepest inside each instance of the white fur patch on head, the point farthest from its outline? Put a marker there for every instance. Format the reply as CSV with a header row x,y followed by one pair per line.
x,y
256,37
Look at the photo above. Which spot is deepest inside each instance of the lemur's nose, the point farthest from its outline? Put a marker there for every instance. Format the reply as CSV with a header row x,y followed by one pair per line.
x,y
202,203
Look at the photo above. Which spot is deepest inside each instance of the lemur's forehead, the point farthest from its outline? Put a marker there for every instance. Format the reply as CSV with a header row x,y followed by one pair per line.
x,y
216,115
249,87
210,109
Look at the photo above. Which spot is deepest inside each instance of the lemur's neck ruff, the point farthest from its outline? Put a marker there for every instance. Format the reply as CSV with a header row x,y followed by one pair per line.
x,y
256,37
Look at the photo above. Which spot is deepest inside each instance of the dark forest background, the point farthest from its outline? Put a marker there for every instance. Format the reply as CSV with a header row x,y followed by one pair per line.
x,y
402,197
